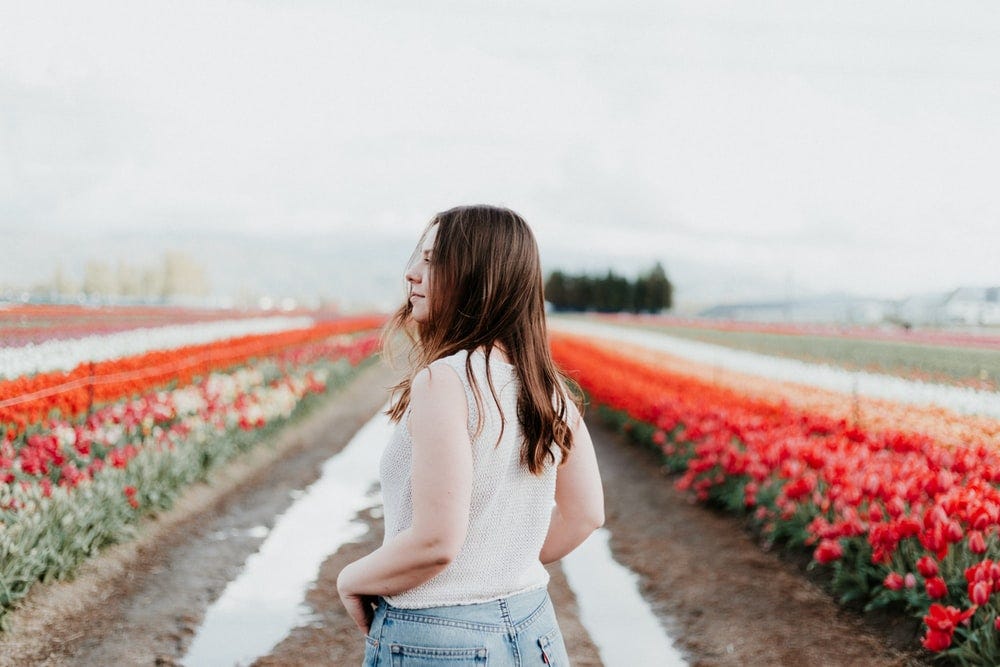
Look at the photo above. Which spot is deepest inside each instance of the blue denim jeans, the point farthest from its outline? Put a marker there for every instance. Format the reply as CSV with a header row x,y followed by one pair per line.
x,y
517,630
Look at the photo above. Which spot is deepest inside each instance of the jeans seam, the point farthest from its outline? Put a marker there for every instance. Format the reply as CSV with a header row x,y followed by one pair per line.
x,y
511,630
469,625
430,651
531,618
546,640
488,627
505,615
378,640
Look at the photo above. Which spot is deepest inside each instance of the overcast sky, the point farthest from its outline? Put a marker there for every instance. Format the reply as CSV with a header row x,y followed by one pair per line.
x,y
754,148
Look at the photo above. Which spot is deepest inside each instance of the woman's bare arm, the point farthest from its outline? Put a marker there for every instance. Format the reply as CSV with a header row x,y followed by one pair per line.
x,y
442,492
579,509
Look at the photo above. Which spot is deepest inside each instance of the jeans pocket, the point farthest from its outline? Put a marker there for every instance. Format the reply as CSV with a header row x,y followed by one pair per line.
x,y
371,652
425,656
552,649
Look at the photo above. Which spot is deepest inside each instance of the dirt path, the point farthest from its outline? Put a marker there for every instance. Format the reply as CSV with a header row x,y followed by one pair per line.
x,y
139,604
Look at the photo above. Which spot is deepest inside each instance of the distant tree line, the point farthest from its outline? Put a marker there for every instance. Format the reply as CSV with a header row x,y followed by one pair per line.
x,y
651,292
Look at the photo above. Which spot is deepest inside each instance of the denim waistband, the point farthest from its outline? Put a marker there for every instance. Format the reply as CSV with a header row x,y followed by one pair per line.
x,y
501,615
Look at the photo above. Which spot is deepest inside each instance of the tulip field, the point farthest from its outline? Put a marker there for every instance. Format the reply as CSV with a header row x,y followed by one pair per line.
x,y
956,358
899,503
24,324
107,414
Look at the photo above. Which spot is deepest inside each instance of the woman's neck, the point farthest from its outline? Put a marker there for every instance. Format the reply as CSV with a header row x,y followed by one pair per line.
x,y
500,351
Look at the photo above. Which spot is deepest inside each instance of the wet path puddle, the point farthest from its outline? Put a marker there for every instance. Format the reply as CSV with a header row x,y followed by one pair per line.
x,y
619,621
261,606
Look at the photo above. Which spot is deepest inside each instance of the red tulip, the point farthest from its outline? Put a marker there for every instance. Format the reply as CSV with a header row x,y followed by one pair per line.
x,y
936,641
936,588
927,567
828,551
980,593
946,619
893,581
977,544
130,492
875,513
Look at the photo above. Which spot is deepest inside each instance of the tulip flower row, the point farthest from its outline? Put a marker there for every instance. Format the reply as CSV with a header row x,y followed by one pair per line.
x,y
858,332
957,360
27,400
31,324
722,362
900,518
872,414
66,353
70,485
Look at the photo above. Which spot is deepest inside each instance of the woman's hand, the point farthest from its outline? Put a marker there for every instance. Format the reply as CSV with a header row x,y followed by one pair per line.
x,y
360,607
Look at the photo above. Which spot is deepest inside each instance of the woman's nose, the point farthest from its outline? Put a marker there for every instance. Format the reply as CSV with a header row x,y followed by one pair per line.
x,y
412,275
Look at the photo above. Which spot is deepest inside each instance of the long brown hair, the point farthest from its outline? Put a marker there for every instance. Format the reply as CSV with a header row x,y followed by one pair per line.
x,y
487,289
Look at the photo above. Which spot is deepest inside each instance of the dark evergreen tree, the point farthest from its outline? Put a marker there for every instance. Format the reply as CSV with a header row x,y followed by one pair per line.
x,y
659,291
651,292
555,290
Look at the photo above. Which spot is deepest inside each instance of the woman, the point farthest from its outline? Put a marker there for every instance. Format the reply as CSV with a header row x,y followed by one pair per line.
x,y
490,472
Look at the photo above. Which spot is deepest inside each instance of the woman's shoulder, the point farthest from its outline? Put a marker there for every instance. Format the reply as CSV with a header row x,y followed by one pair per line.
x,y
435,382
457,360
475,360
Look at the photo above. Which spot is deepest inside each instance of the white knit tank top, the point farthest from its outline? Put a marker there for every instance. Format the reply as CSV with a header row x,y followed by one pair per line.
x,y
510,510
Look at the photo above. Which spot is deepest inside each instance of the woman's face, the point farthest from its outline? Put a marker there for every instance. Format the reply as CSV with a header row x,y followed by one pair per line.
x,y
418,275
